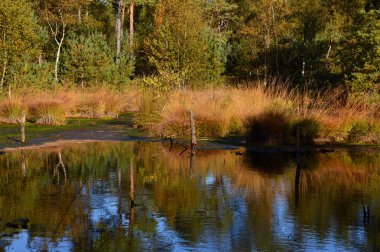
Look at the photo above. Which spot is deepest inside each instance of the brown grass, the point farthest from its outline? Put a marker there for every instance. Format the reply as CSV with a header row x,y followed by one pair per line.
x,y
225,111
218,112
10,110
53,107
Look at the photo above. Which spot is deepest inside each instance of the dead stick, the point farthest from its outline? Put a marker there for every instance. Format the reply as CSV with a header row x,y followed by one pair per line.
x,y
23,120
192,126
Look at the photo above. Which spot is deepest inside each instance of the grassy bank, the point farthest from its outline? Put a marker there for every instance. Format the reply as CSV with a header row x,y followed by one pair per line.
x,y
262,115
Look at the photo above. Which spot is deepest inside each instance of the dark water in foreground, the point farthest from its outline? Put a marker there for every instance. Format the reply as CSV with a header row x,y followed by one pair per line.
x,y
78,198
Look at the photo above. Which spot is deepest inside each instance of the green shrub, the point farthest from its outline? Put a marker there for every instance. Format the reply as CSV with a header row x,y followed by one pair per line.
x,y
364,132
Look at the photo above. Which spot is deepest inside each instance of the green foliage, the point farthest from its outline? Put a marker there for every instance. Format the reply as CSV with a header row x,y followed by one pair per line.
x,y
27,73
124,70
88,59
18,29
191,43
182,48
360,55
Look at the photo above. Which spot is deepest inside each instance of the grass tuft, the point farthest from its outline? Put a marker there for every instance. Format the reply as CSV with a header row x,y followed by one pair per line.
x,y
47,111
11,110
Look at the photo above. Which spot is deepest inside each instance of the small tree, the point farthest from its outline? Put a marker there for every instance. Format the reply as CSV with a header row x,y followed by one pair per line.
x,y
182,47
88,58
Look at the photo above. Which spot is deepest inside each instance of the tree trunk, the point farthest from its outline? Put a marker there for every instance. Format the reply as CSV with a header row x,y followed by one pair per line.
x,y
9,91
131,25
4,67
80,14
192,129
3,75
119,29
40,58
23,121
58,56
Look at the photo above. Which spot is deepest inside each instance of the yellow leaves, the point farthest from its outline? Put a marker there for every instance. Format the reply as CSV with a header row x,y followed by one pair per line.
x,y
17,28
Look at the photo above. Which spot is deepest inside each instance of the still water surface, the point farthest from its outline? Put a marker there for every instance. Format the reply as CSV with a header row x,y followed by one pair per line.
x,y
136,196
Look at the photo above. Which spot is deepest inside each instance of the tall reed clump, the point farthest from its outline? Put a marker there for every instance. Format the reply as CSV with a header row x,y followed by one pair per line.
x,y
47,111
100,104
11,110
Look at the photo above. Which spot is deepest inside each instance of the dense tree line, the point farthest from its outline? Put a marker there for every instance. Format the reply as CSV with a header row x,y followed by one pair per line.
x,y
183,43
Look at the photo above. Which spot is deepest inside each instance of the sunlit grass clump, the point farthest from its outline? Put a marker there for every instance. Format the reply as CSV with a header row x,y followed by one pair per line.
x,y
11,110
47,111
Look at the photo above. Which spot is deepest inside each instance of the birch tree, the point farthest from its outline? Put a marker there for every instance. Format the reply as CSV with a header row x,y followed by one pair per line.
x,y
59,15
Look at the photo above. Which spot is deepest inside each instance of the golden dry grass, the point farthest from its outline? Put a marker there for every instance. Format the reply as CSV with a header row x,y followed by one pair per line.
x,y
11,109
218,112
226,111
53,107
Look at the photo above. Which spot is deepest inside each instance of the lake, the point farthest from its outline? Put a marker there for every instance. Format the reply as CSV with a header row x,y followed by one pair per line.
x,y
137,196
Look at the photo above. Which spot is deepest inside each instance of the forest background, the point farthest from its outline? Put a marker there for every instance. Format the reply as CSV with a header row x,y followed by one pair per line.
x,y
288,60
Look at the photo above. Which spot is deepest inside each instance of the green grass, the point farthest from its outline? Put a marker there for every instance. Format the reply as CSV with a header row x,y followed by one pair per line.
x,y
34,131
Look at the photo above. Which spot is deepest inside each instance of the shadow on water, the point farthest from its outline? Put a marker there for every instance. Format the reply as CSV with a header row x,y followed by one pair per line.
x,y
151,196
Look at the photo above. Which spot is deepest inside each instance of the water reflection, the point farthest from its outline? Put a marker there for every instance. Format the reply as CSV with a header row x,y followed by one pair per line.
x,y
134,196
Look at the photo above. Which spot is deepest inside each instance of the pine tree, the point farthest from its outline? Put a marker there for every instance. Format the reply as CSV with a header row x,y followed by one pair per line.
x,y
88,59
181,45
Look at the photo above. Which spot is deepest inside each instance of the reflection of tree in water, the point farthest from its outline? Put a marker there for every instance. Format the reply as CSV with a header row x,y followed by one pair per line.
x,y
226,196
